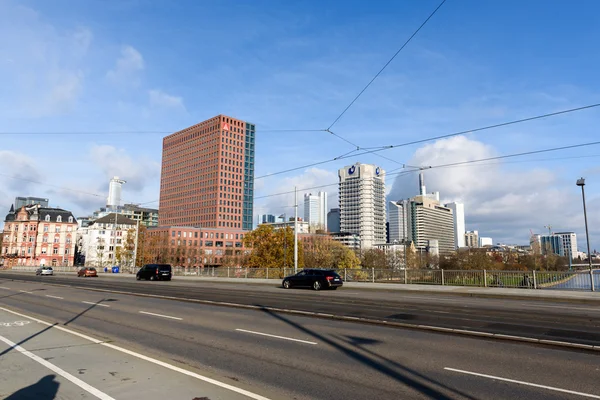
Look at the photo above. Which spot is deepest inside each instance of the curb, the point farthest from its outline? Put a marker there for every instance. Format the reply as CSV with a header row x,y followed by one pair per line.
x,y
369,321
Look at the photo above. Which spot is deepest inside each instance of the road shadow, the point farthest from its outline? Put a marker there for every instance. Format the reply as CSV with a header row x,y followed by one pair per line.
x,y
44,389
88,309
354,348
28,338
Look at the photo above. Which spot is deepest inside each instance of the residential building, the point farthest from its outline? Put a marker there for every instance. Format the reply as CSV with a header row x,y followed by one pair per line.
x,y
569,240
472,239
28,201
333,220
207,177
35,235
350,240
315,210
431,221
147,216
302,226
114,192
485,241
458,211
268,218
362,203
398,221
104,243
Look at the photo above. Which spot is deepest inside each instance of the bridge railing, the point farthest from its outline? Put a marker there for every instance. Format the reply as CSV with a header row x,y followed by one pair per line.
x,y
564,280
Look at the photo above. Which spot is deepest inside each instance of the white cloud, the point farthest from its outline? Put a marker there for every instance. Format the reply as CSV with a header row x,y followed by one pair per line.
x,y
160,99
499,202
18,173
138,172
127,67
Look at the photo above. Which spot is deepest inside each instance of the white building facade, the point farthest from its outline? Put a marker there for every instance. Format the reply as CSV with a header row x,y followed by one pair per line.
x,y
362,203
472,239
458,211
104,242
569,240
315,210
431,221
485,241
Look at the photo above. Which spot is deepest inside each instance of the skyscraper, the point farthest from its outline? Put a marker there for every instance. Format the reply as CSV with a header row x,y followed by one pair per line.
x,y
114,192
431,221
472,239
398,220
458,211
362,203
333,220
315,210
207,177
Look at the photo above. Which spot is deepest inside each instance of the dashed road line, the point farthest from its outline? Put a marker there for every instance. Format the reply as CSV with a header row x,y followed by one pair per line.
x,y
160,315
276,336
55,297
592,396
96,304
4,287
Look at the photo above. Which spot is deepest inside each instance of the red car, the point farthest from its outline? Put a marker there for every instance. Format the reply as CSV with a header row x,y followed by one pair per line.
x,y
87,271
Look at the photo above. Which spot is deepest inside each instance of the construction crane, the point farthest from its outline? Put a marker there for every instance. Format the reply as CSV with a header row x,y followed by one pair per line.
x,y
549,227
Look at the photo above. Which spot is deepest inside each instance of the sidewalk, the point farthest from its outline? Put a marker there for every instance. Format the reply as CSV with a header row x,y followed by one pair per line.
x,y
575,296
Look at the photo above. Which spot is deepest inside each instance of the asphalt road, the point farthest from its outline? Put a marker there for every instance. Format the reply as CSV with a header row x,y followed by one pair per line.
x,y
291,357
577,323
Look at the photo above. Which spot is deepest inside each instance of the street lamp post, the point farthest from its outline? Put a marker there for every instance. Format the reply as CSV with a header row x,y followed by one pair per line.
x,y
581,182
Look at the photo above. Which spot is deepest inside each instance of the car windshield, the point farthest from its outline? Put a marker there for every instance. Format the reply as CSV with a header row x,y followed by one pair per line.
x,y
91,269
164,267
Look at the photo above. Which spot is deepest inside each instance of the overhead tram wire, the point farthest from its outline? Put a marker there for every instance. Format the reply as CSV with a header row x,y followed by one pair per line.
x,y
385,66
388,147
448,165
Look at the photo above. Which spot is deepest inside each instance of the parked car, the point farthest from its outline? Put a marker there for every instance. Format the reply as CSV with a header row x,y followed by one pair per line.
x,y
87,272
44,271
314,278
155,272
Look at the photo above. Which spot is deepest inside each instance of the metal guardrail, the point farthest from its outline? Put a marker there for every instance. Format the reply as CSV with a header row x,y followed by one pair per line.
x,y
563,280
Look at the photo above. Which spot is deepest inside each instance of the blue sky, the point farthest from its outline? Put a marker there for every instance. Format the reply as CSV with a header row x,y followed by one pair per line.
x,y
160,66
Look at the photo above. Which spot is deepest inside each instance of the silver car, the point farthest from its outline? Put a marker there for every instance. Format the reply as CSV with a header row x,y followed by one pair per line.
x,y
44,271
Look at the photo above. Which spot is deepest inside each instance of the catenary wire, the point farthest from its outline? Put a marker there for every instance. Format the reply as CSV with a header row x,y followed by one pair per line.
x,y
386,64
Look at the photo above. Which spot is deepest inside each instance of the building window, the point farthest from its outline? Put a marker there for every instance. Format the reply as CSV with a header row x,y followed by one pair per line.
x,y
59,219
70,219
47,219
55,250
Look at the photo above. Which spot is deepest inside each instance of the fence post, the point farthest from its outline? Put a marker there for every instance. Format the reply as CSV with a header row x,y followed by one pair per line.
x,y
373,274
534,280
228,272
405,276
246,276
442,277
267,273
484,278
213,272
592,279
345,275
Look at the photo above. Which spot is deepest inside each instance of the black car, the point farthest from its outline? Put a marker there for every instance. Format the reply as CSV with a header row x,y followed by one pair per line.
x,y
315,278
155,272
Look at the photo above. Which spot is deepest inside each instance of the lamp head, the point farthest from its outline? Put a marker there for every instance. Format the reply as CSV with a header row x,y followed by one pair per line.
x,y
581,182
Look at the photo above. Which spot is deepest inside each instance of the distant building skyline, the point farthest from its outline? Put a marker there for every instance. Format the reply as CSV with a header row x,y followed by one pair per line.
x,y
333,220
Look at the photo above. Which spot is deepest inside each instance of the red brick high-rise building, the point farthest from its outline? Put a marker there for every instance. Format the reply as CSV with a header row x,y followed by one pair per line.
x,y
207,177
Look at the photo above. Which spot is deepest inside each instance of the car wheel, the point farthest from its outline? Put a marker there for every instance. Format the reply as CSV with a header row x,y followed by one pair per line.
x,y
287,284
334,288
152,278
137,278
317,285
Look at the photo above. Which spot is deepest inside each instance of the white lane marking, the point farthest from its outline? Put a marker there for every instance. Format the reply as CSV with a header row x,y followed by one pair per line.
x,y
592,396
160,315
16,323
4,287
24,291
569,308
88,388
54,297
96,304
275,336
146,358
